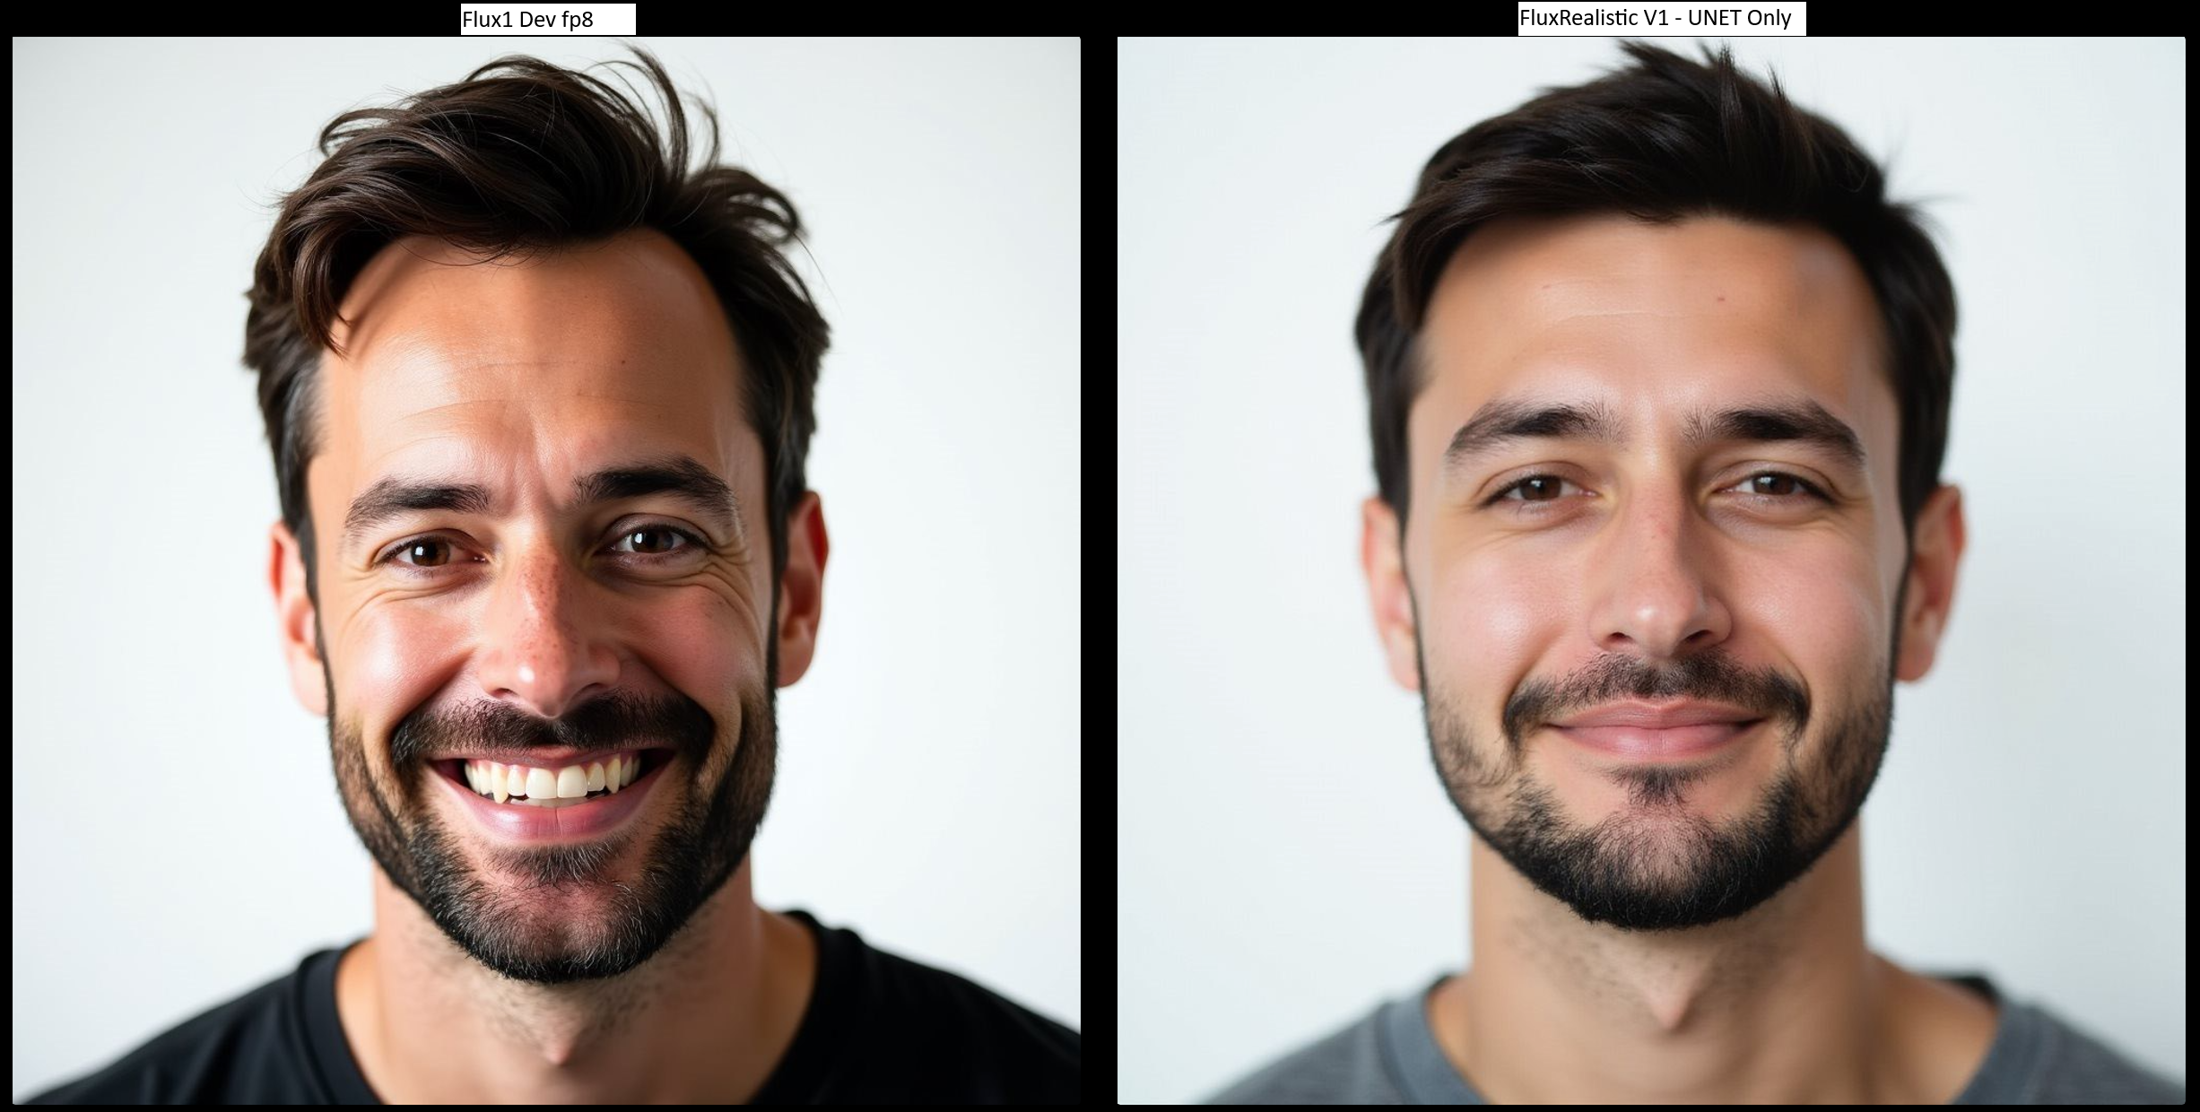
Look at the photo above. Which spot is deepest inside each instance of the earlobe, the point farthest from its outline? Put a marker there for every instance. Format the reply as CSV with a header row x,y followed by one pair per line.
x,y
1389,594
801,589
1930,591
1918,643
298,622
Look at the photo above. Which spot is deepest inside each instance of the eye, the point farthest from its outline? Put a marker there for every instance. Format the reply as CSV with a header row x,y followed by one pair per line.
x,y
1803,486
655,542
424,544
1537,485
1534,487
666,532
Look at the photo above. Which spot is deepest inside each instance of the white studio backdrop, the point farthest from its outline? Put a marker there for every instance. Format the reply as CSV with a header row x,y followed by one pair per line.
x,y
928,785
1286,854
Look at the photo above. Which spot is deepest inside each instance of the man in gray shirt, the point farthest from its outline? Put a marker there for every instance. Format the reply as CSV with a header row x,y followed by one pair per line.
x,y
1663,378
1391,1057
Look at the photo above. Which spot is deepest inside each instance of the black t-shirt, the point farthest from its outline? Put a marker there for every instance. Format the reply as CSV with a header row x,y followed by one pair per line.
x,y
879,1029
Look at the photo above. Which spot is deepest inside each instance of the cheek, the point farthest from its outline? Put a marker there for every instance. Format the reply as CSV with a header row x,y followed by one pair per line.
x,y
702,644
395,659
1824,609
1485,615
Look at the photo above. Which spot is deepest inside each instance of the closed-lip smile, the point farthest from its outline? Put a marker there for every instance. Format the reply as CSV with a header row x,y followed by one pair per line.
x,y
1659,716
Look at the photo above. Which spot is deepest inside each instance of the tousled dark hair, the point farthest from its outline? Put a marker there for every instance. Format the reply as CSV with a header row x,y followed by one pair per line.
x,y
525,156
1664,140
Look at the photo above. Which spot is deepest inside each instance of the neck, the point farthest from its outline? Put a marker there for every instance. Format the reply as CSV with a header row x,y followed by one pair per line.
x,y
703,1021
1784,1004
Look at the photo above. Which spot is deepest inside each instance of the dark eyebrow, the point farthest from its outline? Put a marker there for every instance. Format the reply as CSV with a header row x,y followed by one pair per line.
x,y
1504,421
679,476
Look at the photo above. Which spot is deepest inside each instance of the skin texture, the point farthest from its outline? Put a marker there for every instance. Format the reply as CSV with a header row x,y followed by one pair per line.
x,y
1684,930
635,967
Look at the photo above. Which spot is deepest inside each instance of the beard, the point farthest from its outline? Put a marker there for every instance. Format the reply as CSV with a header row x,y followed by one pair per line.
x,y
1656,864
561,914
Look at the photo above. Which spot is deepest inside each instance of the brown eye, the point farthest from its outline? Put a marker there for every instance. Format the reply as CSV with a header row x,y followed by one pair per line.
x,y
1768,486
1543,484
652,543
410,548
1532,489
1780,486
668,534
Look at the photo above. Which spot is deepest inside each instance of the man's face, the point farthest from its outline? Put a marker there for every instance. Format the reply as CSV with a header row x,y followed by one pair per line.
x,y
541,620
1662,566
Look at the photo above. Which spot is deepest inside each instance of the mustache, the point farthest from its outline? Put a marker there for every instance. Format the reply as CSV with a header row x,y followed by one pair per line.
x,y
601,723
1614,676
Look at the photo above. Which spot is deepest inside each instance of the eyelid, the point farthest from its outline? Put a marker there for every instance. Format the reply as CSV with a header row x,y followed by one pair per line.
x,y
695,542
1813,489
1508,486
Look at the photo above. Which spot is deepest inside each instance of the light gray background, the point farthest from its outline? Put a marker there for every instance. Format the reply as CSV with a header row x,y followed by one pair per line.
x,y
177,833
1287,856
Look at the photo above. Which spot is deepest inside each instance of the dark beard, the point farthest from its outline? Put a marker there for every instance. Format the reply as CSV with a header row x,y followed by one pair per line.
x,y
508,918
1656,864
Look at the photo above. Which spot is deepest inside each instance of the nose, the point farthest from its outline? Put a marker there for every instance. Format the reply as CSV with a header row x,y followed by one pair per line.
x,y
1656,597
546,645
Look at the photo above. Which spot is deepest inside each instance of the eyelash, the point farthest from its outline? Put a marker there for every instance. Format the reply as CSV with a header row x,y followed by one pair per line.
x,y
402,547
1810,489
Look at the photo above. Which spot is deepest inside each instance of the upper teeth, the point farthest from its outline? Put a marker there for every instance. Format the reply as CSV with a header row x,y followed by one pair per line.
x,y
502,781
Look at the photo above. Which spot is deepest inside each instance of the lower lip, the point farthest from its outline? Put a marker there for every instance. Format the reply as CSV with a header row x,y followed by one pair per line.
x,y
1643,743
559,825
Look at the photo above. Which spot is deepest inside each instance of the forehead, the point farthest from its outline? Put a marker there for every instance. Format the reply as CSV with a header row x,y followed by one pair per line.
x,y
1652,319
578,352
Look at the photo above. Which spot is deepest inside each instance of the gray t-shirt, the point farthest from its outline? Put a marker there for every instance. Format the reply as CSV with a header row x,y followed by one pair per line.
x,y
1391,1057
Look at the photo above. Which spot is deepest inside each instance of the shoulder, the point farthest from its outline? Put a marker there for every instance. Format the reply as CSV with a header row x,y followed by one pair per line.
x,y
963,1009
2076,1066
1341,1066
243,1050
963,1041
2040,1057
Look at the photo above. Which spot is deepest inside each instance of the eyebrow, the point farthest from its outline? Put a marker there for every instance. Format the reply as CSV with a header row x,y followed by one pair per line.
x,y
678,476
1503,422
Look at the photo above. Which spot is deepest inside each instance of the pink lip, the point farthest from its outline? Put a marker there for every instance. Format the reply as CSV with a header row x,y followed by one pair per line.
x,y
553,826
1650,743
1660,716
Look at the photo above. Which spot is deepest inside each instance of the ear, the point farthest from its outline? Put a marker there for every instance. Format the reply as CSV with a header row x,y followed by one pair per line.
x,y
1932,583
296,622
1387,591
801,588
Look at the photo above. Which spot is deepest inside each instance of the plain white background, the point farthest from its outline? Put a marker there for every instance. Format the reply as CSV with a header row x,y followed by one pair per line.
x,y
177,833
1287,856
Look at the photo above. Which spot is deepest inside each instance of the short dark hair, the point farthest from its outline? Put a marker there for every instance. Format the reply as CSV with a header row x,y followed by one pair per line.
x,y
530,159
1663,140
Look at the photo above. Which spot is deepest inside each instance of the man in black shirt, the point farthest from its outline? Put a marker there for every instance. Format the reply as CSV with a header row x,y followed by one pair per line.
x,y
878,1029
501,335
